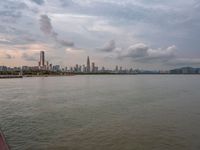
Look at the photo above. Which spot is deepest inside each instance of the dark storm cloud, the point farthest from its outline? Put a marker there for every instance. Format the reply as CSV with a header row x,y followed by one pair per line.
x,y
45,25
39,2
47,28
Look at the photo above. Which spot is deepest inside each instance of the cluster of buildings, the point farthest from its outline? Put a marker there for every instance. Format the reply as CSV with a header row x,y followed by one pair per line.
x,y
185,70
44,65
5,68
93,68
88,68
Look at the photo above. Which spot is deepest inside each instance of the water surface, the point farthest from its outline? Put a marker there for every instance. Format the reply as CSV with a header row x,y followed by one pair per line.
x,y
108,112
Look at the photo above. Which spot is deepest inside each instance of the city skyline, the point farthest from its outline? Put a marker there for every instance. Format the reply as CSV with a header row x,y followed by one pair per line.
x,y
44,67
88,67
129,33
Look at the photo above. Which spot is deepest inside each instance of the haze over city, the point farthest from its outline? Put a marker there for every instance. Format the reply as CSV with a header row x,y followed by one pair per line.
x,y
131,33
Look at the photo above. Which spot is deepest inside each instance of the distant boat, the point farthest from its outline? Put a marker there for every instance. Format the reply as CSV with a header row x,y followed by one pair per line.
x,y
3,144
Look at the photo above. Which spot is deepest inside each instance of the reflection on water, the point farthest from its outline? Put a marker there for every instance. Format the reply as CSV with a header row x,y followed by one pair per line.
x,y
101,112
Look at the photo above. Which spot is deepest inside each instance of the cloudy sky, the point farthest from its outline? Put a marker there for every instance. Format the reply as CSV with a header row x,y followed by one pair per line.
x,y
146,34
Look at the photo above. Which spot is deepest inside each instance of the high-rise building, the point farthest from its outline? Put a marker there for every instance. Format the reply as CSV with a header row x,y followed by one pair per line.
x,y
76,68
50,67
120,69
96,69
103,69
88,64
47,65
93,67
84,68
42,59
66,69
116,69
56,68
79,68
71,69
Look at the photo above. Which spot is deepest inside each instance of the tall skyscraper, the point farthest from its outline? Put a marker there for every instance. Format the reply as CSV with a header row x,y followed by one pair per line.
x,y
88,64
42,59
93,67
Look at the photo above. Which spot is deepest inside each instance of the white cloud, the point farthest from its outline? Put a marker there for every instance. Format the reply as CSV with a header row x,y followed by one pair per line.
x,y
139,50
109,47
162,53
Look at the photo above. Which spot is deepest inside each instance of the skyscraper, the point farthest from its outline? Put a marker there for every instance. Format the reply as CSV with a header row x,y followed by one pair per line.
x,y
116,69
42,59
120,69
76,68
93,67
88,64
84,68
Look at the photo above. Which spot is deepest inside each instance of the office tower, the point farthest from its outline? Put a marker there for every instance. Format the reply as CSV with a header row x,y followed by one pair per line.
x,y
42,59
65,69
56,68
103,69
116,69
79,68
71,69
93,67
120,69
76,68
88,64
50,67
131,70
96,69
47,65
84,68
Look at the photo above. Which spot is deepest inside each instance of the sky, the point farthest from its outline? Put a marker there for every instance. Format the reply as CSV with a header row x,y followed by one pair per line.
x,y
146,34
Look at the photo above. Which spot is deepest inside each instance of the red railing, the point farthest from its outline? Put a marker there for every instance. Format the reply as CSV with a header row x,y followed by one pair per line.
x,y
3,144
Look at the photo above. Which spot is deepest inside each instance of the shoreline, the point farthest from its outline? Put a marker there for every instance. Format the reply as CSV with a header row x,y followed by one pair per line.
x,y
30,76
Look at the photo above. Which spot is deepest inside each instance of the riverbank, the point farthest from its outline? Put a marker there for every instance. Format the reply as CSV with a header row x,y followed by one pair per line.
x,y
48,75
10,76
